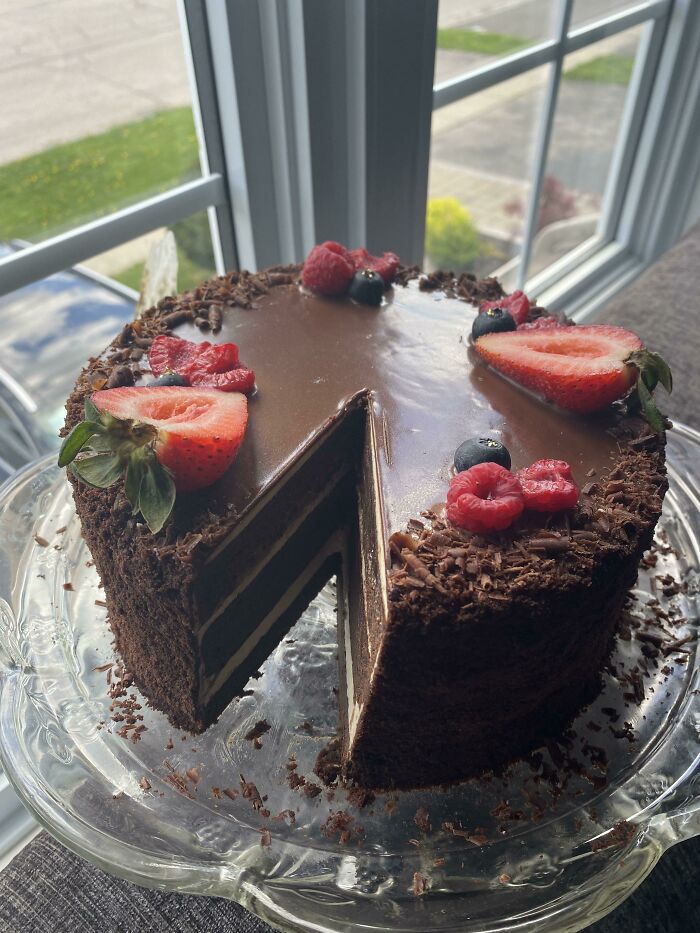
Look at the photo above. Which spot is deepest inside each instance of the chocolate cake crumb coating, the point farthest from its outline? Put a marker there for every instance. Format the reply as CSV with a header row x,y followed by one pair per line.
x,y
465,651
515,630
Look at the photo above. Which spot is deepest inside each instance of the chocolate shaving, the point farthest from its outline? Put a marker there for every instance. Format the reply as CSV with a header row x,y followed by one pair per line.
x,y
260,728
421,884
175,318
422,820
121,376
251,792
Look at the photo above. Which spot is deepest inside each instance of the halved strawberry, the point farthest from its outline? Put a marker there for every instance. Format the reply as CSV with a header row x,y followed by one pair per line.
x,y
516,304
159,439
581,369
198,431
215,365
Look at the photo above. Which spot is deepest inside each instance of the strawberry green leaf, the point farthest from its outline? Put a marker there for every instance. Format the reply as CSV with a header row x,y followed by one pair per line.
x,y
132,482
105,443
102,470
651,412
92,412
156,493
662,369
653,368
76,440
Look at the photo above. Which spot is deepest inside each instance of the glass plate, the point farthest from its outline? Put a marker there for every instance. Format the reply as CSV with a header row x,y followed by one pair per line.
x,y
543,848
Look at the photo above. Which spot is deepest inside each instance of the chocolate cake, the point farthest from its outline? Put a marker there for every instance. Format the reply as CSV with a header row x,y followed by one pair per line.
x,y
457,652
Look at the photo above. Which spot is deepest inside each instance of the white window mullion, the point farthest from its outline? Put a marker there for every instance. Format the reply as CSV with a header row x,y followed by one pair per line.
x,y
665,171
198,62
370,98
543,140
631,124
284,60
355,124
60,252
510,66
400,37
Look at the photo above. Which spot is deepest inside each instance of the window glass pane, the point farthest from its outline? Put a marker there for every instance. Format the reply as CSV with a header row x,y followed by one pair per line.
x,y
80,315
481,164
591,100
586,12
194,253
472,34
96,112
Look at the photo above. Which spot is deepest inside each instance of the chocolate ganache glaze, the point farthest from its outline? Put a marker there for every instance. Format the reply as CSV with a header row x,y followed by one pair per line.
x,y
351,436
426,391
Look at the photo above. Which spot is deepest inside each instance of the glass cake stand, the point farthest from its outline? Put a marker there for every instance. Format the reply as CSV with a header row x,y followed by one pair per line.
x,y
553,845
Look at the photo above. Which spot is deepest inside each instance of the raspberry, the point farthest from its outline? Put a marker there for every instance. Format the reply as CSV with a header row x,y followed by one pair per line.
x,y
546,322
387,265
517,305
328,269
486,497
548,486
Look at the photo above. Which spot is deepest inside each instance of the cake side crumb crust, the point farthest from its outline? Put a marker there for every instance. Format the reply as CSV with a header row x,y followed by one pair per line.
x,y
504,639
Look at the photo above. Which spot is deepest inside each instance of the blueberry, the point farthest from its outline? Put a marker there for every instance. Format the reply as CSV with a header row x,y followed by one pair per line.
x,y
171,379
481,450
367,287
493,321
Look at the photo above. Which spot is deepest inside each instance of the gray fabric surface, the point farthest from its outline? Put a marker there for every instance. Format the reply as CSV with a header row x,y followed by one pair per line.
x,y
46,889
662,307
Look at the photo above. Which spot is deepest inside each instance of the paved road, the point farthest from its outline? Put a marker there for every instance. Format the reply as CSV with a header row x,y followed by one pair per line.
x,y
500,142
71,68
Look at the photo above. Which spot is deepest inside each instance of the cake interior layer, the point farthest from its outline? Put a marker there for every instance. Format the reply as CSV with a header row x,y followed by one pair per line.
x,y
306,522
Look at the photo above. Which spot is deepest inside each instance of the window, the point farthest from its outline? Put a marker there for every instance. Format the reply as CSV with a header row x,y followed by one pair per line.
x,y
548,141
534,144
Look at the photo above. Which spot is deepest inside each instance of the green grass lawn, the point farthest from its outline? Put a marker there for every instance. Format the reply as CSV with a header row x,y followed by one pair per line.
x,y
485,43
606,69
70,184
75,182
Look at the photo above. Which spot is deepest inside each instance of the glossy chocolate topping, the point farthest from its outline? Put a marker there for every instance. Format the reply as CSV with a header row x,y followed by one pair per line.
x,y
429,391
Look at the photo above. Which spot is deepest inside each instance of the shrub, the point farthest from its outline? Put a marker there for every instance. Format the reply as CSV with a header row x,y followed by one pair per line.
x,y
451,239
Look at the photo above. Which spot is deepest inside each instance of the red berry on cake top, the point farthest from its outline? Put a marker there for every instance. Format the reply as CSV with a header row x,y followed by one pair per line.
x,y
386,265
203,364
328,269
548,486
546,322
484,498
159,440
582,369
517,305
